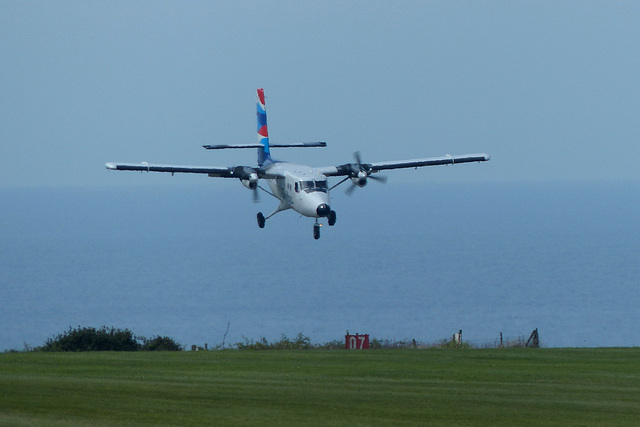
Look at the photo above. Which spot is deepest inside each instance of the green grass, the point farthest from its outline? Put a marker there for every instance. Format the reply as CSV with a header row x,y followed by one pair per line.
x,y
377,387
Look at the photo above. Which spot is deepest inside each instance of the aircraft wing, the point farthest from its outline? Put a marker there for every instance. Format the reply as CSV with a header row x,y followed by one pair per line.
x,y
213,171
432,161
348,169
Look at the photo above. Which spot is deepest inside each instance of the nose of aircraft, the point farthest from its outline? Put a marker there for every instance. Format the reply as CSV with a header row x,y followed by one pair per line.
x,y
323,210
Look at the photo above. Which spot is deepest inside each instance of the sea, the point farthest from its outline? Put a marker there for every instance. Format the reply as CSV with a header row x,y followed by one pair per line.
x,y
404,261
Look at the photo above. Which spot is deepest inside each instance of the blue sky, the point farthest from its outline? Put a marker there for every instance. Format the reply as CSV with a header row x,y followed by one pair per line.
x,y
550,89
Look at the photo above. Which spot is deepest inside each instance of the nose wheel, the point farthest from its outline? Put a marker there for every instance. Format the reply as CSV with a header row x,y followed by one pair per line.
x,y
261,220
316,231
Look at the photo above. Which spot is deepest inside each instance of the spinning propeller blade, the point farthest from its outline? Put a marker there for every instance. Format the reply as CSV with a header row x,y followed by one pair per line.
x,y
361,173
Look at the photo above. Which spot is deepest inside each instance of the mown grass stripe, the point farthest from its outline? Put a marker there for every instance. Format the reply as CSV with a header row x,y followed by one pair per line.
x,y
382,387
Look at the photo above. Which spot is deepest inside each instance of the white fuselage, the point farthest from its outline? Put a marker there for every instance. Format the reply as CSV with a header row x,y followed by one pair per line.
x,y
301,188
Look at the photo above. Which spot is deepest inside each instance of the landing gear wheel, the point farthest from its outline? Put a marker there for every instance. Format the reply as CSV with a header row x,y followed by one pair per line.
x,y
316,231
261,220
332,218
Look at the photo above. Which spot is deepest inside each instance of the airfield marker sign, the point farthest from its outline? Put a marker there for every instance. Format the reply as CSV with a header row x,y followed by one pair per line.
x,y
356,342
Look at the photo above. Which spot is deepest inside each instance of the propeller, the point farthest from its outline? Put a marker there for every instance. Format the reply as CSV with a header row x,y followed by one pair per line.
x,y
360,173
249,178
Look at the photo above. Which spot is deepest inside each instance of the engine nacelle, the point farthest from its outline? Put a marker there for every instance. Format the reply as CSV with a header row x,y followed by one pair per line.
x,y
251,182
360,180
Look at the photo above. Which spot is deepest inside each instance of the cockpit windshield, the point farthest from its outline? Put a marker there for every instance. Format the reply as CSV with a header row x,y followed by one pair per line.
x,y
310,186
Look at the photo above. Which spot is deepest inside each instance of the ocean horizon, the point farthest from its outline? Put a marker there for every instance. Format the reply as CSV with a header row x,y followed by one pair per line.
x,y
404,261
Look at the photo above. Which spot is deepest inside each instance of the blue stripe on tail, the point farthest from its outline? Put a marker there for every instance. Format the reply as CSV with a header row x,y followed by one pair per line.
x,y
263,133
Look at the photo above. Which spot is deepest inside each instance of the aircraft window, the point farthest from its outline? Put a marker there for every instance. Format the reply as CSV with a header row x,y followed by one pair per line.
x,y
310,186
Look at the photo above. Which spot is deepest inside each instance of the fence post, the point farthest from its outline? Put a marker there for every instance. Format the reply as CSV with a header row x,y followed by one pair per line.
x,y
534,339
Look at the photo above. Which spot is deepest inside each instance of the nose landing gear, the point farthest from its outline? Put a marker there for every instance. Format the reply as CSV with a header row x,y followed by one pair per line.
x,y
316,226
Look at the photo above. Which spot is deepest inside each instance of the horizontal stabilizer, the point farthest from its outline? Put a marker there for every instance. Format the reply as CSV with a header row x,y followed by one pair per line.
x,y
298,145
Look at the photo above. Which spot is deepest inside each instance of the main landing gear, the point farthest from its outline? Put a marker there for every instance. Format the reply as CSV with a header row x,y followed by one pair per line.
x,y
332,218
316,227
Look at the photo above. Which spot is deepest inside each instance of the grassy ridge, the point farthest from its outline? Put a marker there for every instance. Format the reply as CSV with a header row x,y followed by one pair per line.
x,y
432,387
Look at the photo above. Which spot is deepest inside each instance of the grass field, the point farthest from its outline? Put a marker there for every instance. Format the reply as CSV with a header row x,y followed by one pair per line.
x,y
516,387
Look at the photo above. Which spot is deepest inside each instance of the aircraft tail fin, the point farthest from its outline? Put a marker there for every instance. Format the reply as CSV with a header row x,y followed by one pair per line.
x,y
263,146
263,134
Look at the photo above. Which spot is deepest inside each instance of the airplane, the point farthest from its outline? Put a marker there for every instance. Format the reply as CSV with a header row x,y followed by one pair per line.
x,y
304,189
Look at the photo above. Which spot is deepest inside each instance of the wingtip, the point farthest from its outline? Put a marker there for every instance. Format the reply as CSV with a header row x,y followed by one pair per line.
x,y
111,166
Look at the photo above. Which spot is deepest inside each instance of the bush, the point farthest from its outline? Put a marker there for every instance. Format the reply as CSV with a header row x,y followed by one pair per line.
x,y
92,339
160,344
300,342
106,339
377,344
331,345
449,343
